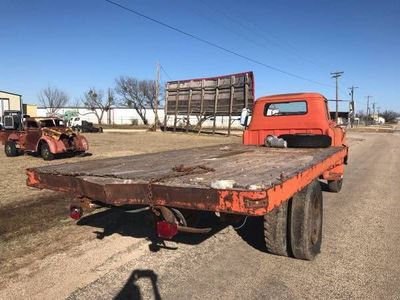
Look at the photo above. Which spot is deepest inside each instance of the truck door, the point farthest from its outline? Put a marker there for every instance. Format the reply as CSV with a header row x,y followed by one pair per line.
x,y
33,134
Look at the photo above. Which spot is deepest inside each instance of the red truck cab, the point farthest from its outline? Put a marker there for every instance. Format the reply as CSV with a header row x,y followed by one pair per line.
x,y
292,114
302,118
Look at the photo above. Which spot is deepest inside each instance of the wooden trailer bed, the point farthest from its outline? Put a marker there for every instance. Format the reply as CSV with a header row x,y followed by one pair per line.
x,y
232,178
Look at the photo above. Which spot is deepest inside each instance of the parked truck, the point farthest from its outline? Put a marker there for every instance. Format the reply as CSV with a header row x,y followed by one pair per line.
x,y
46,136
282,185
80,125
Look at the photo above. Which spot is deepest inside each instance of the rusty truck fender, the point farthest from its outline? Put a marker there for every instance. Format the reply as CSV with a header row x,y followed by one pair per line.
x,y
81,143
56,146
6,136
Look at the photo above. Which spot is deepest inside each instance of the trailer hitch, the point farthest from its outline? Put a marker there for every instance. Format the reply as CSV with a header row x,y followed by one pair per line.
x,y
169,227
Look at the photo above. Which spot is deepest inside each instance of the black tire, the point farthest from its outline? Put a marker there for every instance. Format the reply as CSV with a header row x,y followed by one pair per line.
x,y
10,148
307,141
306,222
335,186
45,152
275,230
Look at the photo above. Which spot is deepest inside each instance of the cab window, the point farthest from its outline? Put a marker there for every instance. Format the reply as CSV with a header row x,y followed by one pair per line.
x,y
47,123
32,124
285,108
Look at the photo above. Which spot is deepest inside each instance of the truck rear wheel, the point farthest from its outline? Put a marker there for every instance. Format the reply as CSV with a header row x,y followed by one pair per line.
x,y
335,186
275,230
306,222
45,152
10,148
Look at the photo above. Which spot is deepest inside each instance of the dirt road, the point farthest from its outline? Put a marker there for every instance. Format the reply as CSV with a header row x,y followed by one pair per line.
x,y
114,255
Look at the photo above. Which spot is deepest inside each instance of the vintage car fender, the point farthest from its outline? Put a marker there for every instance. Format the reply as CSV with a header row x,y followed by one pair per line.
x,y
56,146
13,137
81,143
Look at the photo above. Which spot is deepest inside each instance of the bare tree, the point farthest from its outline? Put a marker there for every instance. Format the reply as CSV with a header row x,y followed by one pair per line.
x,y
137,94
96,102
53,99
77,103
389,115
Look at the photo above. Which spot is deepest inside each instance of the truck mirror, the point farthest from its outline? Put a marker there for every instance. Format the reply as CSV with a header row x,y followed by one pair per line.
x,y
244,117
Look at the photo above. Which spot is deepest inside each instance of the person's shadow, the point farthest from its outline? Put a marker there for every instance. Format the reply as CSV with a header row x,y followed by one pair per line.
x,y
132,291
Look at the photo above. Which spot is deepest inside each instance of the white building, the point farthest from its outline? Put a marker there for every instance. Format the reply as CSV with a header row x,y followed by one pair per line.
x,y
129,116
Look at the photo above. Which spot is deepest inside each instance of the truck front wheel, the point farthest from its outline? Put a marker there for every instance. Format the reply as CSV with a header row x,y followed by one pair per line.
x,y
10,148
306,222
45,152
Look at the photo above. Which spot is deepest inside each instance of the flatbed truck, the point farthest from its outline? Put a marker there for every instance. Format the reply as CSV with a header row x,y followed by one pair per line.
x,y
282,185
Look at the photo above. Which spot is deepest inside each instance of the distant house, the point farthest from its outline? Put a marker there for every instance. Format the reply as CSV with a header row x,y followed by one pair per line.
x,y
379,120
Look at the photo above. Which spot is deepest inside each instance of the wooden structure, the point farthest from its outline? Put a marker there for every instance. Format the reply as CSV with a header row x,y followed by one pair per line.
x,y
208,98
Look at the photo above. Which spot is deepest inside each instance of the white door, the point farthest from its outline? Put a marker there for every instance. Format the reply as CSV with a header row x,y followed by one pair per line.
x,y
4,105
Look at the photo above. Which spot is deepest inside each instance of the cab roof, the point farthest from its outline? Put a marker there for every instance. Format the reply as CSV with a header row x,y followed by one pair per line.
x,y
292,96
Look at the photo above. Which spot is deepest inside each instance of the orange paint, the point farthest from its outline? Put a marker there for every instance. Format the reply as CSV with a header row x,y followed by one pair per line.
x,y
316,121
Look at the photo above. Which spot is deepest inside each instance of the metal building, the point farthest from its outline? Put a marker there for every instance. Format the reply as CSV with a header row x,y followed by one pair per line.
x,y
9,101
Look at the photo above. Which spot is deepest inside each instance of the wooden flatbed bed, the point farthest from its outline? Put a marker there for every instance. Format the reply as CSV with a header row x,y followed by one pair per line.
x,y
234,178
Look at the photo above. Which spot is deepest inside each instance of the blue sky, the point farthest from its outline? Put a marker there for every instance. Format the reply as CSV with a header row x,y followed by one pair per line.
x,y
75,45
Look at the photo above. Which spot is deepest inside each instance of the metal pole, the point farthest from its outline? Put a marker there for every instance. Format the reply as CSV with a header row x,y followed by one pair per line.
x,y
230,104
336,75
155,104
366,119
373,113
352,108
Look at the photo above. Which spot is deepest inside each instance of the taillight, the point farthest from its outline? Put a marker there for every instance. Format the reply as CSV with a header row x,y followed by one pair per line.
x,y
166,230
75,212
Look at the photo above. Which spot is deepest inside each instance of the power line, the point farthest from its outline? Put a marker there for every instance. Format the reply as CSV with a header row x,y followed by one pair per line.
x,y
216,45
279,42
165,72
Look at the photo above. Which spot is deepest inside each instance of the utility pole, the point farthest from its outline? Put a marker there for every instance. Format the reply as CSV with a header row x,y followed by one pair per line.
x,y
155,103
336,75
373,113
366,120
352,108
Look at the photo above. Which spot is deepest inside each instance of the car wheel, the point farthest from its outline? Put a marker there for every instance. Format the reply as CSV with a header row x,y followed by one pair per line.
x,y
45,152
10,148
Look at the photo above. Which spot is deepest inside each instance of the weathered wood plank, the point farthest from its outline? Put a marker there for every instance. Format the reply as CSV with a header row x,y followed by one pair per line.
x,y
245,165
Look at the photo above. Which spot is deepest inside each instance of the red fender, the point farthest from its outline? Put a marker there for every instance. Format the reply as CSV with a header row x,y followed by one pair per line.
x,y
81,143
13,137
56,146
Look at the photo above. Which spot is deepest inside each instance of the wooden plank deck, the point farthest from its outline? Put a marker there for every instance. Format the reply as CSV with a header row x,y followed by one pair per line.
x,y
249,167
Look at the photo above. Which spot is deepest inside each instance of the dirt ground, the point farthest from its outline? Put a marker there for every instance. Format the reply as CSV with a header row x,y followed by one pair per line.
x,y
112,254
